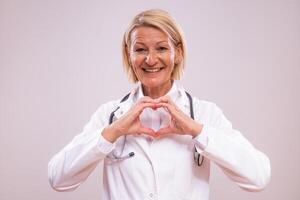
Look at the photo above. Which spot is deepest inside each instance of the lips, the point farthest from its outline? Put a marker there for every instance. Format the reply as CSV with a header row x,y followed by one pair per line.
x,y
152,70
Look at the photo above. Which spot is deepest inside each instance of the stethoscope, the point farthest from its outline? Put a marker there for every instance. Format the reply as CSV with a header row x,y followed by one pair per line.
x,y
198,158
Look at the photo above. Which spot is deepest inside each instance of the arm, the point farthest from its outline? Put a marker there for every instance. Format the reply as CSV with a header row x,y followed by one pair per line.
x,y
75,162
233,153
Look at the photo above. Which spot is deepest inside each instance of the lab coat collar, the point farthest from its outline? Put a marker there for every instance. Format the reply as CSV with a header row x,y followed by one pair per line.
x,y
173,92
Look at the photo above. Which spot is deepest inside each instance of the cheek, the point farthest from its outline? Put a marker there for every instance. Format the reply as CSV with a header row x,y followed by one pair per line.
x,y
171,60
135,60
132,60
171,56
135,63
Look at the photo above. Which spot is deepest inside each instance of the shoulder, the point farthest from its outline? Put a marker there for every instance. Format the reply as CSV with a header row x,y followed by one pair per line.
x,y
110,106
205,105
210,113
206,110
198,104
104,110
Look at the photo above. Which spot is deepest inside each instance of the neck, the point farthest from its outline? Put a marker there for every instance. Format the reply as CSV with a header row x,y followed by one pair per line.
x,y
156,92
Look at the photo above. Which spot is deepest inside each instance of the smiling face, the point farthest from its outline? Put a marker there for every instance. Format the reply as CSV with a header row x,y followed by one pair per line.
x,y
152,56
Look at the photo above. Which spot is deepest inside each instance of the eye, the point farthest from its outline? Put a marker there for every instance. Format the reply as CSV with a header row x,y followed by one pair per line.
x,y
140,50
162,48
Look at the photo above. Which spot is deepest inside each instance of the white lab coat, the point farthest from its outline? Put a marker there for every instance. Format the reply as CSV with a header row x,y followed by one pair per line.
x,y
162,168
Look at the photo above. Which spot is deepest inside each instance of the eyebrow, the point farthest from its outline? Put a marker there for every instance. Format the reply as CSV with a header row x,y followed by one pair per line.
x,y
156,43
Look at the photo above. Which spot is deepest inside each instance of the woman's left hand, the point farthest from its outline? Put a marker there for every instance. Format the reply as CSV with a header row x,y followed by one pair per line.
x,y
180,122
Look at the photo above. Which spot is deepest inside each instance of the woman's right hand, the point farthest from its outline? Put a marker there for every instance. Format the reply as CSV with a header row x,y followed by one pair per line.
x,y
129,123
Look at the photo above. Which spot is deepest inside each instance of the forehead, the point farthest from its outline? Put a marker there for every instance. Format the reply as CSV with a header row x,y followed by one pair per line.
x,y
146,34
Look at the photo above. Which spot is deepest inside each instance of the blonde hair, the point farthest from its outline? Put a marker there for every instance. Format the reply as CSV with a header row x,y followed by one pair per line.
x,y
163,21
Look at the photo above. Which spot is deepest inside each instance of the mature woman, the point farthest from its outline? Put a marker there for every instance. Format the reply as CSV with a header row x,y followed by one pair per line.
x,y
158,141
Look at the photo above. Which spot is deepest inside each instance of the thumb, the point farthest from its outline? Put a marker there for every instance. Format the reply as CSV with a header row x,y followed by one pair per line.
x,y
147,131
164,131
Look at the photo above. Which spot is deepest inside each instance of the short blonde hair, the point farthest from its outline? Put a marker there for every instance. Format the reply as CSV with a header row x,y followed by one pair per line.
x,y
163,21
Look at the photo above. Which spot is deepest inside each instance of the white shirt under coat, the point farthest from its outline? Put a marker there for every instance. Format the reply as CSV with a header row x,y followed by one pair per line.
x,y
161,168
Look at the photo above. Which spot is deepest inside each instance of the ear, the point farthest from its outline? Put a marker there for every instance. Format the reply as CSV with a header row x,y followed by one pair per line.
x,y
178,53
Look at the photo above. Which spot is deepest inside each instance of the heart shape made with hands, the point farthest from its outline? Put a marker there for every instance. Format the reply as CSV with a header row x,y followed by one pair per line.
x,y
155,119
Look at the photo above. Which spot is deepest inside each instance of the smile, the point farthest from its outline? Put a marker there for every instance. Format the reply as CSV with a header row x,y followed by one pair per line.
x,y
152,70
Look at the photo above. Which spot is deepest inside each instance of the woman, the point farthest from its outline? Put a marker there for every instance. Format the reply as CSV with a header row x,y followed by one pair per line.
x,y
158,142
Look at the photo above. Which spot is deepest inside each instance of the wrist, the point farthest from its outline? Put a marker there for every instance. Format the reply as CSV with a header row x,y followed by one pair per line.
x,y
110,133
196,130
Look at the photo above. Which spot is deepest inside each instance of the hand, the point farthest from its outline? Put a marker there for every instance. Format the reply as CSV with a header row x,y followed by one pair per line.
x,y
130,123
180,122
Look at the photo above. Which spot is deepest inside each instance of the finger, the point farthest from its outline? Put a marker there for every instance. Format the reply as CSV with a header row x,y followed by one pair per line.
x,y
164,99
169,107
142,106
164,131
147,131
145,102
167,99
146,99
173,110
138,108
178,116
131,116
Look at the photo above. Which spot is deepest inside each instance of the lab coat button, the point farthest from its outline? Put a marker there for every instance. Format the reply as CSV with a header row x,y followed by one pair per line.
x,y
151,195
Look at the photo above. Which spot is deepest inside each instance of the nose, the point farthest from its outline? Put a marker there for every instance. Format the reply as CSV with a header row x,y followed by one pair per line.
x,y
151,58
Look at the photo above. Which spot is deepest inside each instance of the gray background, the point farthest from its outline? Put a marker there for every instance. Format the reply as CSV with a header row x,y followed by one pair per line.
x,y
60,60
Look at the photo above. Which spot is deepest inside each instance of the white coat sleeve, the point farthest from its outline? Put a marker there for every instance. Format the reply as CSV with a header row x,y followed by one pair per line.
x,y
75,162
232,152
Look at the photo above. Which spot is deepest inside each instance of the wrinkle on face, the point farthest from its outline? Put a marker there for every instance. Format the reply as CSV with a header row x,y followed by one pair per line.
x,y
151,48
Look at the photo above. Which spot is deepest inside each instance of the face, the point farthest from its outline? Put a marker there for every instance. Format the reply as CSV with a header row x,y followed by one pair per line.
x,y
151,55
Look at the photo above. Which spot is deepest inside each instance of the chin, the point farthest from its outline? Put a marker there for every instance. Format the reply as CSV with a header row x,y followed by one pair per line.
x,y
153,83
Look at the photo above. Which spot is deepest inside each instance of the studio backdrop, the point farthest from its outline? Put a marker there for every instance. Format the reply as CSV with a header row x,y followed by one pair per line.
x,y
60,60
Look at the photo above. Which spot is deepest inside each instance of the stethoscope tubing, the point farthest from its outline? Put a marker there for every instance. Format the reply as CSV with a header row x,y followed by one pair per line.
x,y
198,158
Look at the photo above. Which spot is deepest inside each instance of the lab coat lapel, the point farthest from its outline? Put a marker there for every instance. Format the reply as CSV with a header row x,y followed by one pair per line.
x,y
123,108
125,105
183,101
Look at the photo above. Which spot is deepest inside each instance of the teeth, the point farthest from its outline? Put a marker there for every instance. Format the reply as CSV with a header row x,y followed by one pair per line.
x,y
152,70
